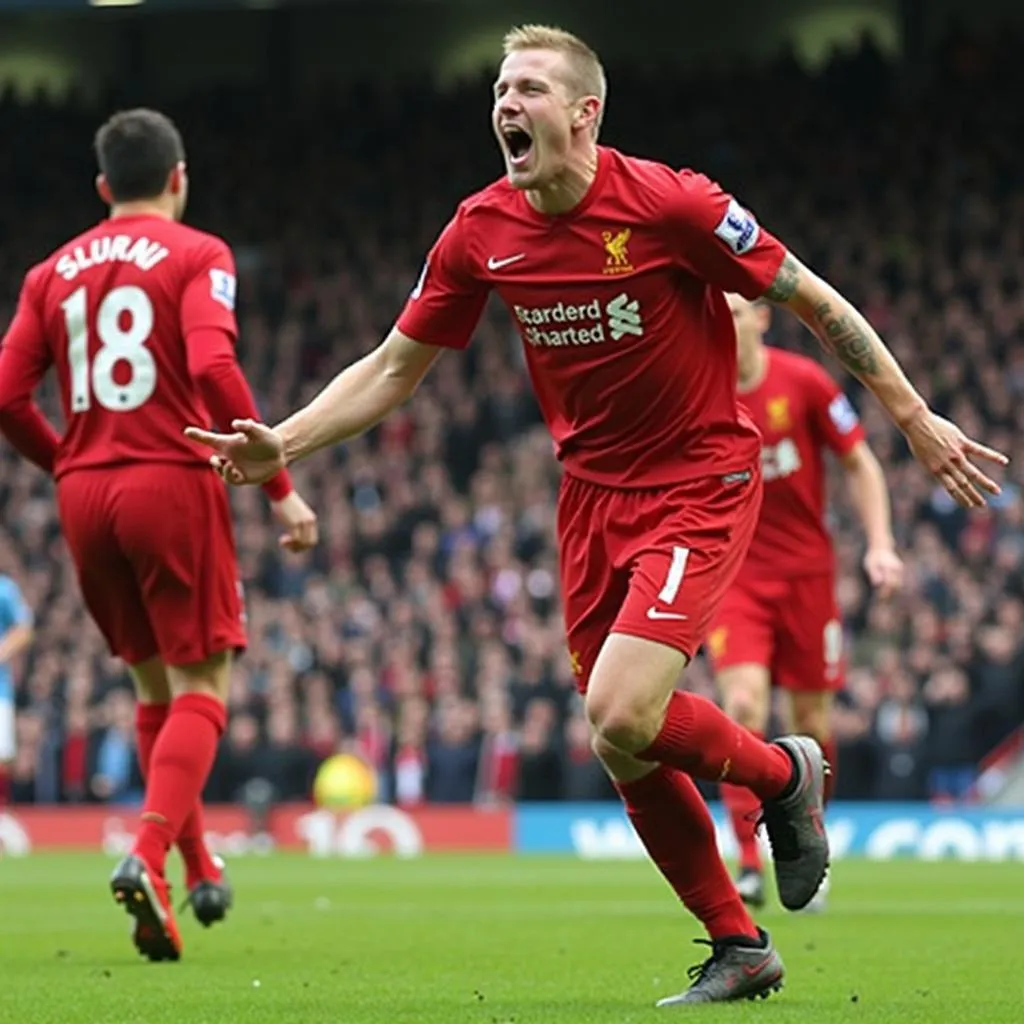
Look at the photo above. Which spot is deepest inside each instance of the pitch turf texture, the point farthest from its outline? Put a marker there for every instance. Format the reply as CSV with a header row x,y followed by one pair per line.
x,y
494,940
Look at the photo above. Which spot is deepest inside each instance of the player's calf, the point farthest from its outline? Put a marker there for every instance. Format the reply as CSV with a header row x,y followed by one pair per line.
x,y
183,753
201,865
744,811
153,692
745,690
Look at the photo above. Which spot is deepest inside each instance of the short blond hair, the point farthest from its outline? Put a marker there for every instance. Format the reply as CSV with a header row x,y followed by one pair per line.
x,y
587,77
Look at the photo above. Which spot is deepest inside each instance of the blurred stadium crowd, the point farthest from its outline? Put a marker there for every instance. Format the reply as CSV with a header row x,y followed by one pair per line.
x,y
425,631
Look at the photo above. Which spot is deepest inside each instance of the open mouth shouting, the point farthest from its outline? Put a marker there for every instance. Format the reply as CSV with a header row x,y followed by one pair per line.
x,y
518,145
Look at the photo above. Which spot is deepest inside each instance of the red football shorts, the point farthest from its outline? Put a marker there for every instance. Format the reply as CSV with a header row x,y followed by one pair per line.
x,y
790,626
651,563
155,556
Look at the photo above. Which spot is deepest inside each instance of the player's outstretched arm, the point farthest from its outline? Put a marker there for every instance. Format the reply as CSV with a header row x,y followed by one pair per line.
x,y
358,398
939,445
870,496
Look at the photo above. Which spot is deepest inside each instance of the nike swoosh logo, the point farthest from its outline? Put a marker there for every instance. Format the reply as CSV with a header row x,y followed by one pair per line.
x,y
657,613
757,968
494,264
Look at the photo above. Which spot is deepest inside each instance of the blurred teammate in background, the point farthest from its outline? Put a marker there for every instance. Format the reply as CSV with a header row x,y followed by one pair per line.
x,y
779,622
614,272
138,316
15,636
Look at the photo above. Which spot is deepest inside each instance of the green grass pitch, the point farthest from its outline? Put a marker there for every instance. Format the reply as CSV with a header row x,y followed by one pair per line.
x,y
496,940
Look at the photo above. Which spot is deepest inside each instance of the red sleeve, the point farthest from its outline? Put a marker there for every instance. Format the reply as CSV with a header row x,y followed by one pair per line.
x,y
835,420
445,306
208,300
719,241
24,360
214,368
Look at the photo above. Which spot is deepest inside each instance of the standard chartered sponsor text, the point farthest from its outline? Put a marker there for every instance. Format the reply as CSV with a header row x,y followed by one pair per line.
x,y
580,323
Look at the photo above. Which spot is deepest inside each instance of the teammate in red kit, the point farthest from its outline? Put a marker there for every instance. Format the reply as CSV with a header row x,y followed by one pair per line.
x,y
138,316
614,270
779,621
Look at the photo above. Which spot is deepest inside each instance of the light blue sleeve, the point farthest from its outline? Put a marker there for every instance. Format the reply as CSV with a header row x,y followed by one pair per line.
x,y
13,609
114,762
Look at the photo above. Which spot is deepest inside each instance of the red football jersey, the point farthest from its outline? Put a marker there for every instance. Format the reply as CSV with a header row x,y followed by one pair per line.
x,y
111,309
800,412
619,302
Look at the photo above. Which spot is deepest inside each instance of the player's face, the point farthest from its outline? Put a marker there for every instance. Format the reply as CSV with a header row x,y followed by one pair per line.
x,y
533,116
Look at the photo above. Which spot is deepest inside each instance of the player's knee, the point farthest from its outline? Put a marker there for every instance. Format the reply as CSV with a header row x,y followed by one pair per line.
x,y
745,693
150,679
746,708
605,752
621,768
210,676
623,722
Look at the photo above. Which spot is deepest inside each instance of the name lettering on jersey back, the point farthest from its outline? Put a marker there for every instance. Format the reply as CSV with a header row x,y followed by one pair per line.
x,y
111,249
590,324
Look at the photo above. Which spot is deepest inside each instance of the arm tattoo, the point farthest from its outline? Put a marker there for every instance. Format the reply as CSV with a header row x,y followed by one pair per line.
x,y
784,285
846,340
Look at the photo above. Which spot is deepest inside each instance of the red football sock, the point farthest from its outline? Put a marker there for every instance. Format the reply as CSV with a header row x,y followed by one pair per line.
x,y
700,739
743,808
199,865
671,818
5,787
180,761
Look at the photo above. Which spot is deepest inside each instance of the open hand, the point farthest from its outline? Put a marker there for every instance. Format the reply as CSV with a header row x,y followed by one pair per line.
x,y
251,455
946,452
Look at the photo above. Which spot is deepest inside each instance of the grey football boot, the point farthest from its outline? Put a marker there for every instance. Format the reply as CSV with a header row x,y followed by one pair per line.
x,y
733,971
796,827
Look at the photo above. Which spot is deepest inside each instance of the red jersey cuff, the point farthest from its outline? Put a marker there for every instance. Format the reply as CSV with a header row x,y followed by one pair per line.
x,y
277,488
